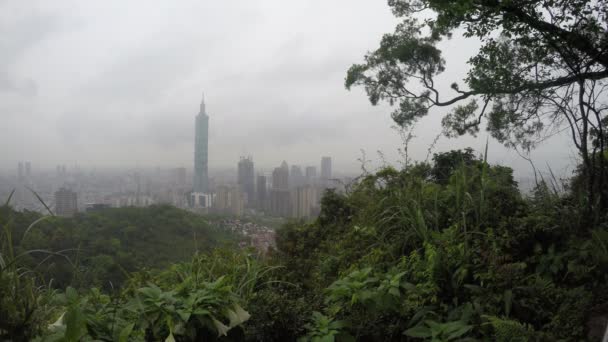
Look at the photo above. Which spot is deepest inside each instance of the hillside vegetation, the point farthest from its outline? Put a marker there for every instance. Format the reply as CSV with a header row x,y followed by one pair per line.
x,y
101,248
448,251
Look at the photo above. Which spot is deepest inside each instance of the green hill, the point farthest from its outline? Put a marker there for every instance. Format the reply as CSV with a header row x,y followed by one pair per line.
x,y
106,245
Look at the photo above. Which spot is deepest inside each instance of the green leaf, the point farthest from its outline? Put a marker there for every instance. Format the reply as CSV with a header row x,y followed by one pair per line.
x,y
433,325
125,332
71,295
394,291
183,315
237,316
222,329
508,299
170,338
201,312
419,331
151,292
60,322
75,325
451,326
408,286
461,331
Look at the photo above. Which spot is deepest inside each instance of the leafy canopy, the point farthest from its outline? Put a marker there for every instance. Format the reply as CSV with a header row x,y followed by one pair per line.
x,y
532,55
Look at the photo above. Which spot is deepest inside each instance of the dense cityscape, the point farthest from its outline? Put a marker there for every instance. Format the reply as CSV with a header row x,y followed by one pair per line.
x,y
398,170
288,191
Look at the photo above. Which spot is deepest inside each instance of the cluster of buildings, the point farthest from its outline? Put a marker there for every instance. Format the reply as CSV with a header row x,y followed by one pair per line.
x,y
257,236
76,192
284,191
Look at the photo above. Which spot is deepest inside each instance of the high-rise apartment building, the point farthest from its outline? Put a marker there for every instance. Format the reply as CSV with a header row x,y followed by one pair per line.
x,y
222,198
246,180
280,202
279,194
65,202
311,174
201,149
296,177
237,202
201,200
229,200
303,199
280,177
325,168
262,193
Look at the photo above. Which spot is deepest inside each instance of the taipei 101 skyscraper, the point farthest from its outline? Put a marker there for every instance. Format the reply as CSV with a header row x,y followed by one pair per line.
x,y
201,149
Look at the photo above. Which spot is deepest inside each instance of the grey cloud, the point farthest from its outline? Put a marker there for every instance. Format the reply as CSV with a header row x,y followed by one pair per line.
x,y
143,76
120,81
169,133
23,32
25,87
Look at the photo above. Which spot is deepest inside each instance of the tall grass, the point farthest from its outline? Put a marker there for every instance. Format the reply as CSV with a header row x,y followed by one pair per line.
x,y
25,302
245,273
414,207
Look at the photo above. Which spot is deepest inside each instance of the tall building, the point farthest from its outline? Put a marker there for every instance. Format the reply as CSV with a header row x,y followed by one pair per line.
x,y
296,177
246,180
222,198
229,200
262,193
326,168
201,149
303,200
325,179
279,194
280,202
311,174
280,177
65,202
201,200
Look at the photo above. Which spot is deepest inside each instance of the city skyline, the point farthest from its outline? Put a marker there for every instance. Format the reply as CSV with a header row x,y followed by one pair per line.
x,y
294,190
201,167
66,100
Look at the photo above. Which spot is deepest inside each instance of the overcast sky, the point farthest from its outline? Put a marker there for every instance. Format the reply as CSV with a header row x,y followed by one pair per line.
x,y
118,83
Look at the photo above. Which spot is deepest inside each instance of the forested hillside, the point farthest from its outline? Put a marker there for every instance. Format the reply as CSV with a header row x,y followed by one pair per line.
x,y
101,248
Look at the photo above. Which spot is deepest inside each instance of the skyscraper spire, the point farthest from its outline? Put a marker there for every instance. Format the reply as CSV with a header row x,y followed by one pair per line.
x,y
203,104
201,150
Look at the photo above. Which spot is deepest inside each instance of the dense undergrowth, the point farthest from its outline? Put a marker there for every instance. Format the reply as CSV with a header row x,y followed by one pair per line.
x,y
445,252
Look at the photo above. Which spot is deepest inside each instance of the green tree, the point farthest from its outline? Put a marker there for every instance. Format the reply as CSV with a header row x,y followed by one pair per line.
x,y
541,69
444,164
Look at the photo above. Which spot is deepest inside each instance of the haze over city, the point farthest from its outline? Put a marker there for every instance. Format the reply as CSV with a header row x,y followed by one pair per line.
x,y
117,85
304,170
